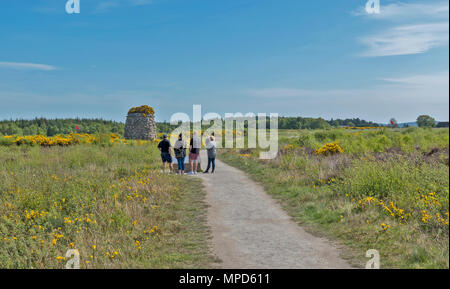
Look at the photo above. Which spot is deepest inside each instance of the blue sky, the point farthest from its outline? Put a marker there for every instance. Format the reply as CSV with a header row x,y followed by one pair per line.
x,y
307,58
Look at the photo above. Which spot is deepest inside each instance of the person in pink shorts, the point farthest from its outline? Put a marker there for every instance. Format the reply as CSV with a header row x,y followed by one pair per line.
x,y
194,152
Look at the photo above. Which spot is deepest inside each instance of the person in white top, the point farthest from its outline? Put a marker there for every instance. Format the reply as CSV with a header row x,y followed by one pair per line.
x,y
211,150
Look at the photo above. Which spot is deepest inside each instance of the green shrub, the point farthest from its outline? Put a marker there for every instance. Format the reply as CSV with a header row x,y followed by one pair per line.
x,y
306,140
5,141
396,179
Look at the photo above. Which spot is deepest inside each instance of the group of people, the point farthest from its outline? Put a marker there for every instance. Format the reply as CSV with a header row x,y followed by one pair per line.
x,y
179,150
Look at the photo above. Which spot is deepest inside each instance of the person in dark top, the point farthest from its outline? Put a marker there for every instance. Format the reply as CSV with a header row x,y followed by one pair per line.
x,y
166,152
180,153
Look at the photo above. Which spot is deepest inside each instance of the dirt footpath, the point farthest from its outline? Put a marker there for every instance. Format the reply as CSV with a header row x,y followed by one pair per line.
x,y
251,230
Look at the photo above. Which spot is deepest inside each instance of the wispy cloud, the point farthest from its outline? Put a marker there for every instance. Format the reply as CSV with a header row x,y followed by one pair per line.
x,y
424,80
27,66
105,6
403,97
141,2
421,88
412,37
404,40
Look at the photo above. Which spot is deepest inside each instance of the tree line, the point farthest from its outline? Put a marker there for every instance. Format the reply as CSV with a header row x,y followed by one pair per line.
x,y
51,127
320,123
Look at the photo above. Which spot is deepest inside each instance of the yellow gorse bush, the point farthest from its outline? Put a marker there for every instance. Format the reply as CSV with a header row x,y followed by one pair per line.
x,y
217,134
144,109
289,147
329,149
361,127
390,209
60,140
399,214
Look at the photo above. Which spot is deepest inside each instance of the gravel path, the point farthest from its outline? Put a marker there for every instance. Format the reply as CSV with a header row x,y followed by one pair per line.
x,y
251,230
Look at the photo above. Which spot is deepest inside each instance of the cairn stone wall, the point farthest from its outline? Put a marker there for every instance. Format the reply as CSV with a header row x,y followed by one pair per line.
x,y
140,127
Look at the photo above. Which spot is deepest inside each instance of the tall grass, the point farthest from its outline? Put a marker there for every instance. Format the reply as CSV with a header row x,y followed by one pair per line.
x,y
369,141
109,202
388,190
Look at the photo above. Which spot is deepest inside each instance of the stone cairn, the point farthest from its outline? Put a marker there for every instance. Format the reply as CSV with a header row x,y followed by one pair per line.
x,y
140,124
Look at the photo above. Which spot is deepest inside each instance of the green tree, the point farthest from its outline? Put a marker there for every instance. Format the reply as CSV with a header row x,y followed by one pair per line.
x,y
426,121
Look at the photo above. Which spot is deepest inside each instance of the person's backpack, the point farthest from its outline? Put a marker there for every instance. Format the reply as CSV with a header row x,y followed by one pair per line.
x,y
180,152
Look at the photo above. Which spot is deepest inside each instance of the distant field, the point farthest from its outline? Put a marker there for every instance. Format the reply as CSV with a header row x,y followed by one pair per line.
x,y
370,189
106,199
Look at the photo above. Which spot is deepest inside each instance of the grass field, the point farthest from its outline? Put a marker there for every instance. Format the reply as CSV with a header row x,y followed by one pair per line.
x,y
107,200
369,189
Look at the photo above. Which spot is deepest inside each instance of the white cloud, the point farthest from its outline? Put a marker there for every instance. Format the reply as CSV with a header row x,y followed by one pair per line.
x,y
424,87
425,80
141,2
104,6
411,36
410,39
27,66
404,97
